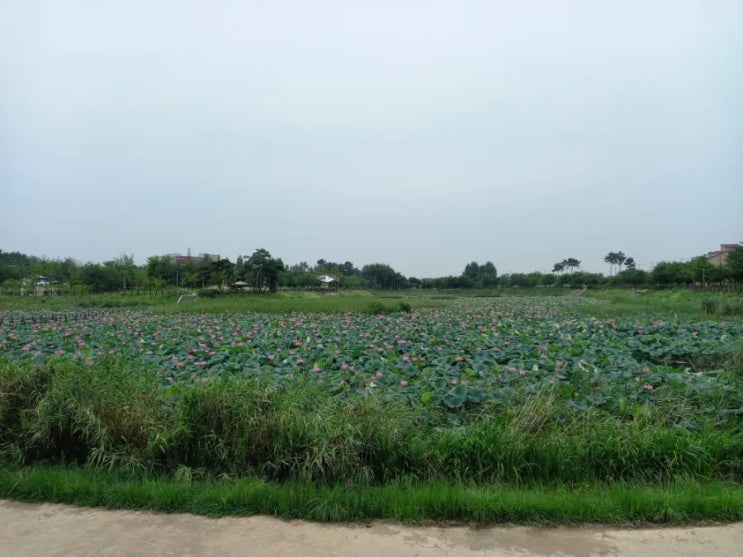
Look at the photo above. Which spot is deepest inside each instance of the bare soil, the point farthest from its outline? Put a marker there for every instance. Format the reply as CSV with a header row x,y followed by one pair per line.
x,y
31,530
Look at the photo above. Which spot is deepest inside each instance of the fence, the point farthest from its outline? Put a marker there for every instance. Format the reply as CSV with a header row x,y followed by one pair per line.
x,y
733,287
141,291
37,318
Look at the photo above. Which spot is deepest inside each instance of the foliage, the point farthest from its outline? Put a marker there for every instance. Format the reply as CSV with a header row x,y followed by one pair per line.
x,y
615,258
735,263
480,276
671,274
380,275
500,390
678,502
262,271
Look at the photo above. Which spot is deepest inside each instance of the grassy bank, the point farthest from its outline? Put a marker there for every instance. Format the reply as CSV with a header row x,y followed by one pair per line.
x,y
680,502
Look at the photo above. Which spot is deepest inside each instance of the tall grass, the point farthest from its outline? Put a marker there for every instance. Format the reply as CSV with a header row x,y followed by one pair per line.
x,y
115,417
666,303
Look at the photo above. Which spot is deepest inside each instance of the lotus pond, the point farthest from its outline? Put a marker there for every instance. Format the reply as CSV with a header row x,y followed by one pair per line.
x,y
471,352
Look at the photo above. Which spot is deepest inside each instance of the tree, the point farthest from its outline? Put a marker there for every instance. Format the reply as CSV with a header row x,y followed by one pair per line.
x,y
239,267
734,263
558,267
220,271
621,258
100,278
488,275
126,269
476,275
383,276
472,271
347,269
631,277
262,271
572,263
615,258
630,263
162,268
671,273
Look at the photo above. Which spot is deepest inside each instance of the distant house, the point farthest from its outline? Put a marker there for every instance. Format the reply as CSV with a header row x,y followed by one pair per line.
x,y
43,286
327,281
719,258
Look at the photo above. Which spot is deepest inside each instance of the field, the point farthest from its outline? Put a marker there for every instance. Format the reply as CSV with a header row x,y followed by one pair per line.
x,y
522,408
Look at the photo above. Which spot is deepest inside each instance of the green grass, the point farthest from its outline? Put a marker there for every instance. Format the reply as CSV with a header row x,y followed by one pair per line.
x,y
680,502
281,302
664,303
111,435
113,416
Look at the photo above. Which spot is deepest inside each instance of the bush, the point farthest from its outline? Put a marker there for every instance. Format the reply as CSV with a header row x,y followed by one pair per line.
x,y
209,293
711,306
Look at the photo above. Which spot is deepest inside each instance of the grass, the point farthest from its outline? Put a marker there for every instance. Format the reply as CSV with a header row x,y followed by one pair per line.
x,y
671,303
281,302
113,416
110,435
681,502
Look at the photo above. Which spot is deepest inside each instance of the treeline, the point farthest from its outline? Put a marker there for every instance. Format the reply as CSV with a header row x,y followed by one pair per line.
x,y
262,272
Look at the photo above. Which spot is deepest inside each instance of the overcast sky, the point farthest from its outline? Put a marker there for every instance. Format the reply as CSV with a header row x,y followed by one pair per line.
x,y
420,134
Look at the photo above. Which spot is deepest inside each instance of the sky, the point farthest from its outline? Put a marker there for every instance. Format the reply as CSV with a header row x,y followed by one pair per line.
x,y
421,134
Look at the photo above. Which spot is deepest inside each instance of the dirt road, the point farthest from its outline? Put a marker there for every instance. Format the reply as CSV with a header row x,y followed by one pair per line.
x,y
58,530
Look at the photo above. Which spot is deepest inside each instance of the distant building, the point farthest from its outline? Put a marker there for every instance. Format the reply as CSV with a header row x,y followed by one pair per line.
x,y
719,258
179,259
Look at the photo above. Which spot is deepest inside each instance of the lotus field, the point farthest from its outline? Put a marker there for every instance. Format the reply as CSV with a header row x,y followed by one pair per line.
x,y
472,352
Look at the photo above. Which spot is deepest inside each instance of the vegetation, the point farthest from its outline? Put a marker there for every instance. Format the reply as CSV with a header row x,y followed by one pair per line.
x,y
261,272
453,410
679,502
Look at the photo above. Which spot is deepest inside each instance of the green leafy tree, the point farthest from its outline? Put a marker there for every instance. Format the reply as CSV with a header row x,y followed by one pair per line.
x,y
701,270
615,258
631,277
239,267
572,263
734,263
488,275
381,275
220,271
100,278
671,273
262,271
161,268
472,272
126,270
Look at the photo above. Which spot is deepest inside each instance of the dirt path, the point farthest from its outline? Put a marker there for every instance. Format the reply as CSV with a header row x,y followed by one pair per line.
x,y
58,530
